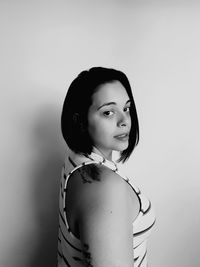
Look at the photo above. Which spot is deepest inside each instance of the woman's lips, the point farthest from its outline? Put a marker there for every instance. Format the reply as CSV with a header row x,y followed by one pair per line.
x,y
122,137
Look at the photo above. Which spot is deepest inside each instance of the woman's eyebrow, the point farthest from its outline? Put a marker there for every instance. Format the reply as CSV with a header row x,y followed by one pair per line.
x,y
112,103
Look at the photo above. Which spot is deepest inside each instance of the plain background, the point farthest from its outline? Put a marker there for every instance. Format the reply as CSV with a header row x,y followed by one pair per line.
x,y
44,45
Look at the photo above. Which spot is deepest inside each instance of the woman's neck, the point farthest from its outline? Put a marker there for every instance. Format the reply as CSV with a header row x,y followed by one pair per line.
x,y
99,152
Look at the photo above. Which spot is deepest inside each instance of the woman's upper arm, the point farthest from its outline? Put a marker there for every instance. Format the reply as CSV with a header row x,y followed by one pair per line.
x,y
105,223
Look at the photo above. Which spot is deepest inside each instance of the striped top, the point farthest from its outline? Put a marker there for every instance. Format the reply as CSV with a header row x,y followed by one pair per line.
x,y
70,253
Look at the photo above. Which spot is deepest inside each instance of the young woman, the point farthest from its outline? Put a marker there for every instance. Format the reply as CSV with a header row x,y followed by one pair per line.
x,y
104,220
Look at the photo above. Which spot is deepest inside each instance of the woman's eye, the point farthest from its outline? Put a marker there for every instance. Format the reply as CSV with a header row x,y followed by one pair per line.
x,y
127,109
108,113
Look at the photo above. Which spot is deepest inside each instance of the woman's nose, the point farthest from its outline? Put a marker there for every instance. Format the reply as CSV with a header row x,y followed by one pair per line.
x,y
124,120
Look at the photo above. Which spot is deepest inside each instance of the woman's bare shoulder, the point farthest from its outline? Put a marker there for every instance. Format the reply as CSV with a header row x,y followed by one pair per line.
x,y
95,183
96,175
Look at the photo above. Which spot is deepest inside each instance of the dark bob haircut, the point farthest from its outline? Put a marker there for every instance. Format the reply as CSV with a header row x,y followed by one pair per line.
x,y
76,105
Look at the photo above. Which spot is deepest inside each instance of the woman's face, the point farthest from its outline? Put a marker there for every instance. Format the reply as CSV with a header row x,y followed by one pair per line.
x,y
109,119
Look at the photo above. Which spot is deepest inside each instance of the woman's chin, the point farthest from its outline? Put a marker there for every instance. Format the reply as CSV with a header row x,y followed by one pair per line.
x,y
121,147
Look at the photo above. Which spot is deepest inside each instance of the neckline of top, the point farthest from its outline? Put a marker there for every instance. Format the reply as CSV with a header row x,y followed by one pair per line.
x,y
96,157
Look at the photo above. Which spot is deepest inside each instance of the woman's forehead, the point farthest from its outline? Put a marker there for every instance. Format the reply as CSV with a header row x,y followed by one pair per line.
x,y
110,92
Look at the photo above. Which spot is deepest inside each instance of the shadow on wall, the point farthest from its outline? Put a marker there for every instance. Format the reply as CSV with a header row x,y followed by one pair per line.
x,y
45,177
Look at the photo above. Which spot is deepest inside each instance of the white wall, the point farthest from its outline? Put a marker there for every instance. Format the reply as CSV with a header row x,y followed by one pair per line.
x,y
44,45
